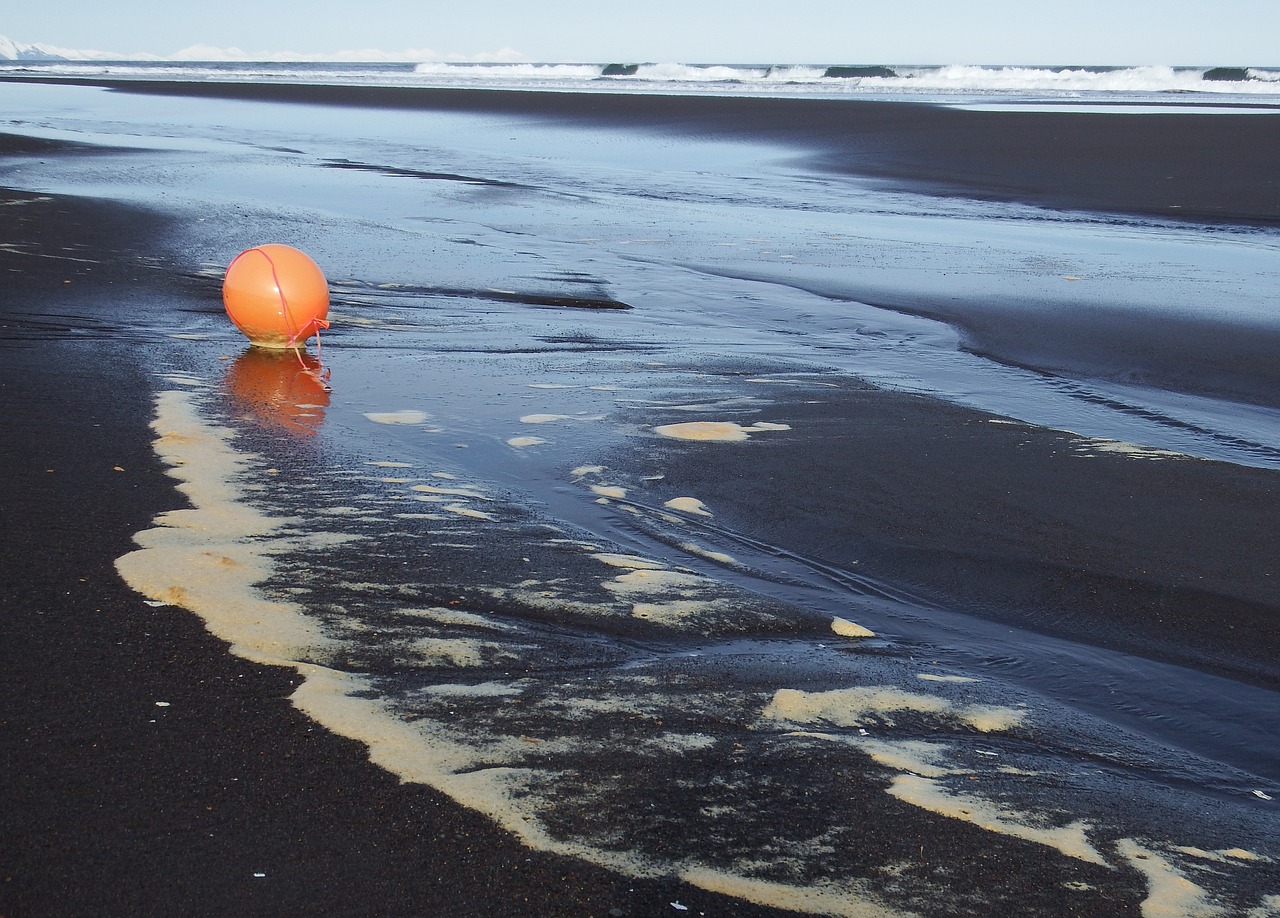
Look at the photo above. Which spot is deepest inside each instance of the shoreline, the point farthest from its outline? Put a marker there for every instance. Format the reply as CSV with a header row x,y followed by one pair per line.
x,y
1088,540
1177,166
147,770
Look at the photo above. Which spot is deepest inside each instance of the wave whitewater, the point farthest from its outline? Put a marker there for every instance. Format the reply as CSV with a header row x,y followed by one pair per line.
x,y
1146,79
861,80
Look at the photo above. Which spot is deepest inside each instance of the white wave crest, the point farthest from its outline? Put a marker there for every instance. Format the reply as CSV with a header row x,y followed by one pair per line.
x,y
506,71
971,78
795,74
957,81
686,73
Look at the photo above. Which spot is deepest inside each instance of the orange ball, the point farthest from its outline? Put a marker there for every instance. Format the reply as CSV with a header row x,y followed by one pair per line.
x,y
276,295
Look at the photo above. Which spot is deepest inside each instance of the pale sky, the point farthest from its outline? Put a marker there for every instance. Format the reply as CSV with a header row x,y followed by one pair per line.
x,y
1190,32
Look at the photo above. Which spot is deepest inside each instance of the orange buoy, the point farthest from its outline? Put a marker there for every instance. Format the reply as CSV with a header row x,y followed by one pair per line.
x,y
276,295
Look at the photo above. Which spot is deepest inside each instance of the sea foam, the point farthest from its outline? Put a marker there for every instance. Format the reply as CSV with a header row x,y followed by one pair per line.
x,y
788,79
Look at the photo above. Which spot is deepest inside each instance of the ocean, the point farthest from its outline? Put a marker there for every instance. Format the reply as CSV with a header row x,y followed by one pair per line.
x,y
731,473
1109,84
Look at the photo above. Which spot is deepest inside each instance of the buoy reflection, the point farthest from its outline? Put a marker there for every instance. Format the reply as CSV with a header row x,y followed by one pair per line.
x,y
280,389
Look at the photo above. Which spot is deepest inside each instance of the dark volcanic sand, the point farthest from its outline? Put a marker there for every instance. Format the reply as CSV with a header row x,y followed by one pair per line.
x,y
115,805
1158,557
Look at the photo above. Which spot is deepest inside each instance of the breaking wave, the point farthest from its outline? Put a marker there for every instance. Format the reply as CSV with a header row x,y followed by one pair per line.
x,y
841,77
863,80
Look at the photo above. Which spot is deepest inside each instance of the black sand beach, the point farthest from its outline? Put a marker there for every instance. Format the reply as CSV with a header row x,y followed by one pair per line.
x,y
115,805
149,771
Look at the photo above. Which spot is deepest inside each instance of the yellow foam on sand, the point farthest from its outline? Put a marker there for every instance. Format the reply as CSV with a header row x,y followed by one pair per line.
x,y
688,505
209,558
715,431
929,794
846,628
397,417
875,704
1169,892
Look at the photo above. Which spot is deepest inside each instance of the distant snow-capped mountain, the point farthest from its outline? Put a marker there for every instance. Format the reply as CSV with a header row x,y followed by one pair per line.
x,y
11,50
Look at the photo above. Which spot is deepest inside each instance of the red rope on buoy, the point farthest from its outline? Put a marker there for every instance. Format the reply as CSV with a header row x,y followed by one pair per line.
x,y
297,337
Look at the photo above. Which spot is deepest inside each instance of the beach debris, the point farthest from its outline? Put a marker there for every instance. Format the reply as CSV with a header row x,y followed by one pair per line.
x,y
162,704
1263,795
679,907
276,295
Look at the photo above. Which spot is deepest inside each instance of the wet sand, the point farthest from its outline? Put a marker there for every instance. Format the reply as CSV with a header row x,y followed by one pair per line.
x,y
148,771
1193,166
1158,555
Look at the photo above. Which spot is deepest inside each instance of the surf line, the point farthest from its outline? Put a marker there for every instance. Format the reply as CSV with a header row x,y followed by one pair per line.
x,y
215,557
211,558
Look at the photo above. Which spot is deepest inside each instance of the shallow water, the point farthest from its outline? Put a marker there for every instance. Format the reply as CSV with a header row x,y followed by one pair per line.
x,y
1125,329
519,627
451,534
